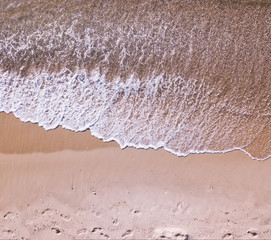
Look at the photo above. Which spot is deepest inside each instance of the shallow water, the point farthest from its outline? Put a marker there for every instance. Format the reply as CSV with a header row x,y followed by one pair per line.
x,y
190,76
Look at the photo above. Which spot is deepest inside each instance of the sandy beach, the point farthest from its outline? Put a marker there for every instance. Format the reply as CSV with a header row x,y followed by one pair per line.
x,y
60,184
186,76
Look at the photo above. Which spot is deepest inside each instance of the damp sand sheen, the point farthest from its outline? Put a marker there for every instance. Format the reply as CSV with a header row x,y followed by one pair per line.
x,y
191,77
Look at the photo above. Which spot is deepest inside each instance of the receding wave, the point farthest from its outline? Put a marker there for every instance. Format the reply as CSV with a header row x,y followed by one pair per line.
x,y
190,76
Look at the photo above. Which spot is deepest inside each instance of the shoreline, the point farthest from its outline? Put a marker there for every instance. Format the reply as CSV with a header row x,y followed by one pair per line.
x,y
65,185
80,140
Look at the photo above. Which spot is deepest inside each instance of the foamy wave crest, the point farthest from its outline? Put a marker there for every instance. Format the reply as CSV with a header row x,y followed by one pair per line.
x,y
189,76
142,114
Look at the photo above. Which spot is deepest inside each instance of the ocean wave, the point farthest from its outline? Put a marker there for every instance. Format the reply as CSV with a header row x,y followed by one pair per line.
x,y
189,76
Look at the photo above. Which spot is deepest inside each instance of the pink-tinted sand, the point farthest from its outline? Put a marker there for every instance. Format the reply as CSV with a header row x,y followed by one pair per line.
x,y
60,184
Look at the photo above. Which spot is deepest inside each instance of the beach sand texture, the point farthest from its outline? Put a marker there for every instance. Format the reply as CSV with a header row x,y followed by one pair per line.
x,y
52,189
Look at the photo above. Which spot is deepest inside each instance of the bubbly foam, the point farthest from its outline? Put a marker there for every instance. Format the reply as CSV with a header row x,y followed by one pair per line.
x,y
190,76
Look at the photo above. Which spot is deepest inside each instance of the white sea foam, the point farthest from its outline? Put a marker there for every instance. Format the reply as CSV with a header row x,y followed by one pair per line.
x,y
133,113
188,76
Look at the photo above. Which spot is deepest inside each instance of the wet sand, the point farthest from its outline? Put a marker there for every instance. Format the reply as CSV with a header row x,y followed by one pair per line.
x,y
63,185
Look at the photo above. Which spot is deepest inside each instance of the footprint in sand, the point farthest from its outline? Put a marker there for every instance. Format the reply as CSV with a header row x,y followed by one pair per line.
x,y
171,233
65,217
9,215
47,212
180,206
82,231
128,233
96,229
252,233
104,236
135,212
8,231
116,222
57,231
227,236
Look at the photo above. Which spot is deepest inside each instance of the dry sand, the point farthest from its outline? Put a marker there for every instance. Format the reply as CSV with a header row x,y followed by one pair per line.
x,y
64,185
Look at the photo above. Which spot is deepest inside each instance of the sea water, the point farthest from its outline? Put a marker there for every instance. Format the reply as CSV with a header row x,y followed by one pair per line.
x,y
191,76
